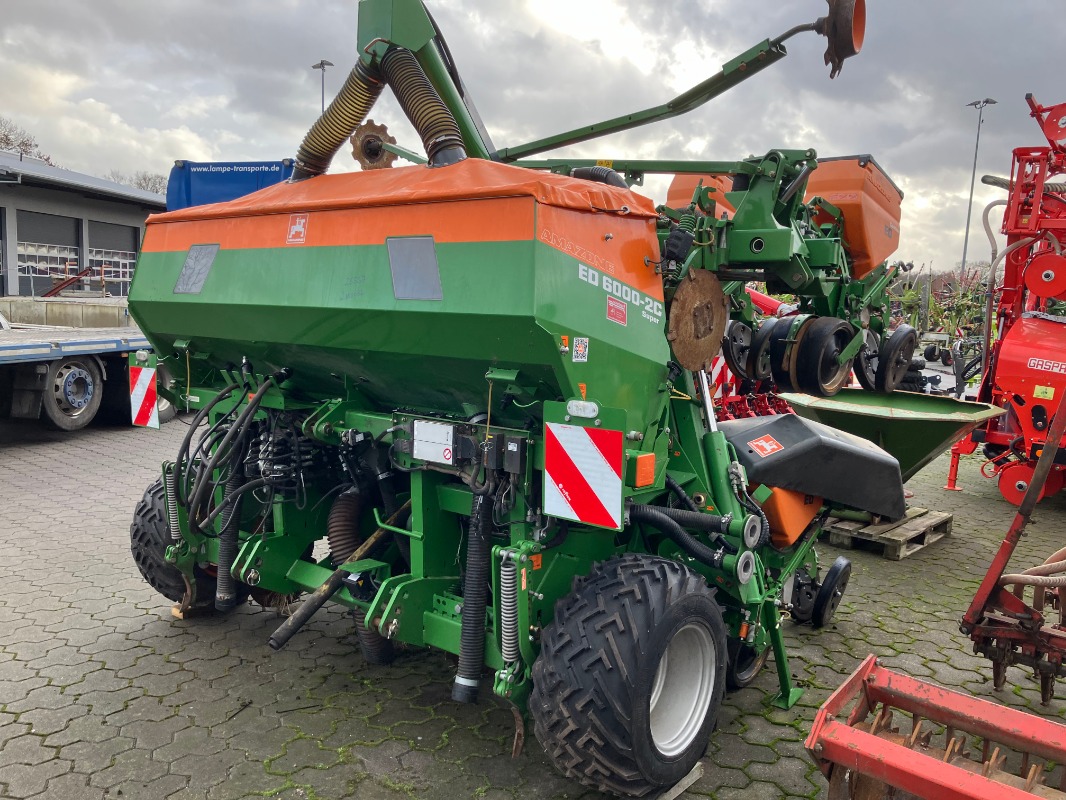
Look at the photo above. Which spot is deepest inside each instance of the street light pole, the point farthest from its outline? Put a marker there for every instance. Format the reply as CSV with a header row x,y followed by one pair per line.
x,y
322,66
980,106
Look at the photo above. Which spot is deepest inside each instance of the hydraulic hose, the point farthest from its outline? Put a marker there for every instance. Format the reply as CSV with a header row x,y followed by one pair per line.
x,y
681,494
472,633
330,131
186,442
420,102
709,523
225,586
600,175
231,438
1004,183
689,544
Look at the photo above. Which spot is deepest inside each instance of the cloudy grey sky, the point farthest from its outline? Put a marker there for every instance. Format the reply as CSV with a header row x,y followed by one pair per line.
x,y
133,85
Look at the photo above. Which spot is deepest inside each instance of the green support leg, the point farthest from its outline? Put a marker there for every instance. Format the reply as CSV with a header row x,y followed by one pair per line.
x,y
789,693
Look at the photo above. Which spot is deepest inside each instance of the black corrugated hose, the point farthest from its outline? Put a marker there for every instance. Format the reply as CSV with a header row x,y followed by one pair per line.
x,y
225,586
600,175
347,111
420,102
472,635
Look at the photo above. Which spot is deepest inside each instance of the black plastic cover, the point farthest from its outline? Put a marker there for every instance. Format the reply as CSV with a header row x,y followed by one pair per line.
x,y
805,456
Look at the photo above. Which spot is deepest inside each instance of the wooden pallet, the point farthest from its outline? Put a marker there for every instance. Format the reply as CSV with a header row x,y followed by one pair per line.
x,y
895,540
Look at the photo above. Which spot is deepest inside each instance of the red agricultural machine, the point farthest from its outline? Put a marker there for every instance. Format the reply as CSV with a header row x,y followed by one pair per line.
x,y
1025,370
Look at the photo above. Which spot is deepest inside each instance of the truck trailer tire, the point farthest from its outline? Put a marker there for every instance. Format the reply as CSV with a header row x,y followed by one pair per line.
x,y
149,539
631,675
73,391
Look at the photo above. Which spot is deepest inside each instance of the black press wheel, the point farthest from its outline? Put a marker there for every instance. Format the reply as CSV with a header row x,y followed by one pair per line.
x,y
149,539
931,352
759,354
744,664
865,364
819,371
785,339
830,592
630,676
736,347
895,358
72,393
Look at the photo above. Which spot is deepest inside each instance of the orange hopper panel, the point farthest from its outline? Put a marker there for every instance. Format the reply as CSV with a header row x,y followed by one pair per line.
x,y
681,188
870,202
789,514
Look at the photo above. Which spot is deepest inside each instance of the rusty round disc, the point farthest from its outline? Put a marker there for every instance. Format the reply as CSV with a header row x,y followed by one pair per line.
x,y
367,147
698,316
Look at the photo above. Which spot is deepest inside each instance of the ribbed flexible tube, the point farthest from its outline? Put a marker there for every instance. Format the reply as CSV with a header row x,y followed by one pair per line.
x,y
472,632
329,133
420,102
225,586
600,175
342,527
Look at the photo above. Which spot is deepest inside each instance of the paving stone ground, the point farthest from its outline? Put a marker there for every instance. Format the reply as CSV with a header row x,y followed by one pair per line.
x,y
104,695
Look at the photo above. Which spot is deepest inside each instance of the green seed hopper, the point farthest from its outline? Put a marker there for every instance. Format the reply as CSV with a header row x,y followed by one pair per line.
x,y
915,428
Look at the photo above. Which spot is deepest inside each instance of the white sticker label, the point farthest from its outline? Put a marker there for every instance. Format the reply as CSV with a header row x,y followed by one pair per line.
x,y
434,441
581,349
622,296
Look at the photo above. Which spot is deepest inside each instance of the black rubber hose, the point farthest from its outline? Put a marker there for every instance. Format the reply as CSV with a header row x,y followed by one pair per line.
x,y
234,496
225,586
420,102
342,527
307,608
376,649
472,634
337,123
186,443
709,523
231,437
600,175
654,516
681,494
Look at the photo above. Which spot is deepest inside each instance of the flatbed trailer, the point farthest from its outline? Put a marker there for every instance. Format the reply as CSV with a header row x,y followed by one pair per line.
x,y
65,376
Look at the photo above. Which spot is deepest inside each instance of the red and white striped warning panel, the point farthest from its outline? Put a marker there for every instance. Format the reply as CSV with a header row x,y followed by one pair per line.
x,y
583,474
143,397
722,378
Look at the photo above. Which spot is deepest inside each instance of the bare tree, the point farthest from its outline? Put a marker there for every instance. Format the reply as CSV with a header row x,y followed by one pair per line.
x,y
148,181
17,139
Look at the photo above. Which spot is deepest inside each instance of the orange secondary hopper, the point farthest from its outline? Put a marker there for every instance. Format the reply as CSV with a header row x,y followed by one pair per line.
x,y
679,195
870,202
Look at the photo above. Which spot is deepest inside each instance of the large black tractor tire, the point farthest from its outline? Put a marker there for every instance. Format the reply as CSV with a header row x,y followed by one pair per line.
x,y
73,391
149,539
631,675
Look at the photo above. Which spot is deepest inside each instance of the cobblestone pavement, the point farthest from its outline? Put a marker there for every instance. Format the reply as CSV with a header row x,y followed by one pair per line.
x,y
103,694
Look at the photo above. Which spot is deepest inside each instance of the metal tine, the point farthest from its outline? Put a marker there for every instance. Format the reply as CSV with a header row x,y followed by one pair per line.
x,y
915,733
986,744
883,718
1025,765
952,749
1034,777
993,763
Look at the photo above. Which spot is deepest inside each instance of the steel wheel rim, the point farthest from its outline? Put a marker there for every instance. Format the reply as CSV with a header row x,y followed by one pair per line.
x,y
682,690
73,389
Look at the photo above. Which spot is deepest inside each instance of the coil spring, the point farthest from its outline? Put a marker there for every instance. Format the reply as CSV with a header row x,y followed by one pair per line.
x,y
687,222
509,610
171,497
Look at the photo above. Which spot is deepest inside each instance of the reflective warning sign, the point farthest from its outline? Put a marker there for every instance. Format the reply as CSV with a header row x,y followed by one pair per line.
x,y
583,474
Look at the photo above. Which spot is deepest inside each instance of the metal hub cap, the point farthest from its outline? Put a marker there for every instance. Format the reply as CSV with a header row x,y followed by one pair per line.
x,y
73,389
681,693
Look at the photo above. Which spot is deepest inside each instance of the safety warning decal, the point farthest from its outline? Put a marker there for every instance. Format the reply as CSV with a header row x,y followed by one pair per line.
x,y
297,229
143,406
583,474
616,310
765,446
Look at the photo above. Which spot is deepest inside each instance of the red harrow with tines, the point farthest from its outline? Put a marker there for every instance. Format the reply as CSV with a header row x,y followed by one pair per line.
x,y
955,746
886,736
